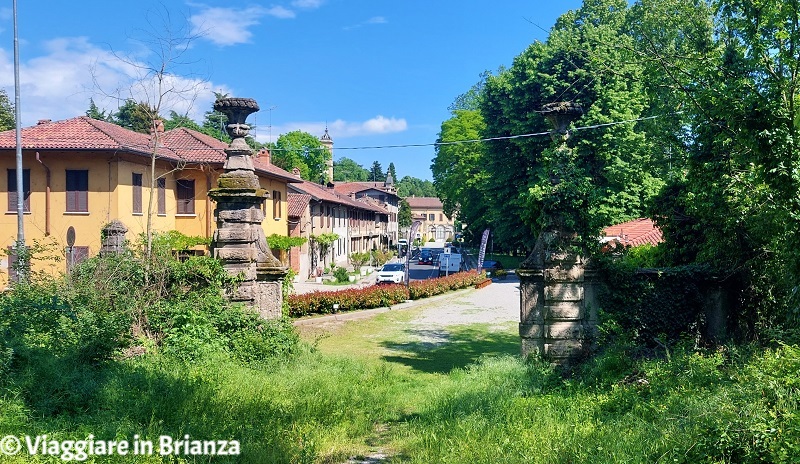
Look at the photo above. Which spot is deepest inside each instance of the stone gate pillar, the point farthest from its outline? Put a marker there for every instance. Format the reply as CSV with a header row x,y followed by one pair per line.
x,y
113,238
558,312
239,241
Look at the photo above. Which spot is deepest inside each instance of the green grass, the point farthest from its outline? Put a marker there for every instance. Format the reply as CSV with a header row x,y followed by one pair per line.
x,y
371,385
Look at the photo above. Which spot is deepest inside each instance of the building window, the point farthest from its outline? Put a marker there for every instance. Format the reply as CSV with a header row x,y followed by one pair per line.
x,y
184,193
75,255
136,182
162,196
276,204
77,191
26,190
431,217
441,217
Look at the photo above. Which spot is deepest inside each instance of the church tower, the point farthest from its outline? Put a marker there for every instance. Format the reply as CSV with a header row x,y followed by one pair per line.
x,y
327,142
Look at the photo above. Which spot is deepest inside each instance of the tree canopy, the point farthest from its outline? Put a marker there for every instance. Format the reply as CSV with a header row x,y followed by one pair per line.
x,y
7,119
298,149
347,170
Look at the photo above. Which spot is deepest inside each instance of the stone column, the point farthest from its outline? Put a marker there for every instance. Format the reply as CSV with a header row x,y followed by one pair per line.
x,y
239,241
558,314
113,238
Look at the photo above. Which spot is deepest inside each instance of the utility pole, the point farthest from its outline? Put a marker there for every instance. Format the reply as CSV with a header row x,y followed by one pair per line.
x,y
22,257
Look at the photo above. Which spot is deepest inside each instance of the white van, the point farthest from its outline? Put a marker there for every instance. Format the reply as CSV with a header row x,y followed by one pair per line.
x,y
449,263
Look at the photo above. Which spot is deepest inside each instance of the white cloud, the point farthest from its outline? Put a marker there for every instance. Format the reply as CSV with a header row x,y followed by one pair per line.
x,y
59,84
231,26
372,20
308,4
338,129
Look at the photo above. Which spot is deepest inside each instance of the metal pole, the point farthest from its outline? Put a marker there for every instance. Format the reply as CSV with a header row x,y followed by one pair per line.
x,y
20,187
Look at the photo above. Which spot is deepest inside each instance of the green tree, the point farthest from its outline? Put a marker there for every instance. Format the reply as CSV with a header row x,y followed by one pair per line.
x,y
411,186
376,173
298,149
404,214
347,170
391,170
457,169
176,120
95,113
137,117
214,122
7,119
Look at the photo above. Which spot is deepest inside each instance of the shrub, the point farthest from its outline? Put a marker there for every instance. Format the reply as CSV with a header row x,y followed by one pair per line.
x,y
341,274
377,296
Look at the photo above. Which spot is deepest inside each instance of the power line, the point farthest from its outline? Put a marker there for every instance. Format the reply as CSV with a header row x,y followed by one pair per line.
x,y
506,137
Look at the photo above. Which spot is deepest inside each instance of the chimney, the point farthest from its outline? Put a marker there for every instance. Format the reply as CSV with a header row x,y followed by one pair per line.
x,y
296,172
158,127
265,155
43,121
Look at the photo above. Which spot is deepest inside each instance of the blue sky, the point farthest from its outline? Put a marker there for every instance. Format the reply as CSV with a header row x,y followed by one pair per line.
x,y
376,73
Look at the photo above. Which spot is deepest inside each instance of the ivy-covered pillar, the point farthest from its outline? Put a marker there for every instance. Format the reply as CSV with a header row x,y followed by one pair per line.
x,y
239,241
557,310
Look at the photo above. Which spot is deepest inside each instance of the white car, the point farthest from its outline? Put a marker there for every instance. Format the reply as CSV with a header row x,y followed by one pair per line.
x,y
391,273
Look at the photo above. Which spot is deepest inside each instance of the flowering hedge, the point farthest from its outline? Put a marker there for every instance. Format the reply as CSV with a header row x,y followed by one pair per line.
x,y
377,296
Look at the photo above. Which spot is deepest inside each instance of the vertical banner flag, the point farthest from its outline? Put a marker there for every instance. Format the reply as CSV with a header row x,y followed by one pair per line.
x,y
412,235
482,251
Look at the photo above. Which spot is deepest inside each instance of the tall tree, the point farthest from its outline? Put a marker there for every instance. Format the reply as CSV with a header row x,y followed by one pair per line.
x,y
413,187
176,120
95,113
392,171
347,170
214,122
7,120
298,149
376,172
404,214
136,116
156,85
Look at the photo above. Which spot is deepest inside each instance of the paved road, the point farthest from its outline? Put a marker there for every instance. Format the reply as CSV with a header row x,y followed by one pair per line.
x,y
497,304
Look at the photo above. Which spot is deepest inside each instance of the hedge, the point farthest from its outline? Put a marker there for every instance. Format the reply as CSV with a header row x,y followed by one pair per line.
x,y
378,296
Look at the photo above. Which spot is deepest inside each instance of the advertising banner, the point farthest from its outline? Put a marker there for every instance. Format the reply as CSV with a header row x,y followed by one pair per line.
x,y
482,251
412,234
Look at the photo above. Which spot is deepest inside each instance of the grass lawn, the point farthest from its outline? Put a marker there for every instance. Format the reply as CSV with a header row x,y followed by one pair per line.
x,y
372,387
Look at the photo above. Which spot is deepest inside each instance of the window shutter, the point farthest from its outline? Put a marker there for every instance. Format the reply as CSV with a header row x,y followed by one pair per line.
x,y
185,194
12,190
77,191
136,183
79,254
12,260
162,196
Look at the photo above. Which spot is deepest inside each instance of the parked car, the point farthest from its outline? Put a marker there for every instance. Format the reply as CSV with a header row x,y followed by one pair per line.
x,y
425,257
491,267
391,273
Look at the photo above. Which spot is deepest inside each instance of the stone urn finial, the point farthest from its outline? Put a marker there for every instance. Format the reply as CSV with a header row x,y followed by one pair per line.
x,y
561,115
237,110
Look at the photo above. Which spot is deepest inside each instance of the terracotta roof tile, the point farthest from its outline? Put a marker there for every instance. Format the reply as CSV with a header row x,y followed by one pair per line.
x,y
82,133
298,202
424,202
634,233
346,188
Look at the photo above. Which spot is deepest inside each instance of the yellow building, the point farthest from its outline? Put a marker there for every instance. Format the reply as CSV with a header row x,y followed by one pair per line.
x,y
435,224
83,173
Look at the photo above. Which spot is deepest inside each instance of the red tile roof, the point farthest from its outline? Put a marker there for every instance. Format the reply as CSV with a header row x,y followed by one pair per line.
x,y
81,133
86,134
298,202
634,233
346,188
319,192
424,202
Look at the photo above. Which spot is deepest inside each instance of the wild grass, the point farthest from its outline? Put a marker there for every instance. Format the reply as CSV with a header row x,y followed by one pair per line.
x,y
447,393
319,407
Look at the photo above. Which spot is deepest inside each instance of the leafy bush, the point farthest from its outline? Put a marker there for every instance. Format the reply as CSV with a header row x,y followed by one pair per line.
x,y
341,274
377,296
358,260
